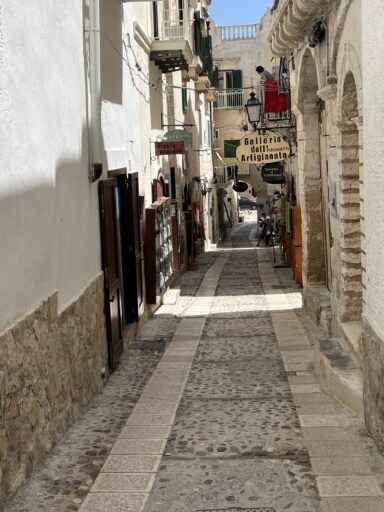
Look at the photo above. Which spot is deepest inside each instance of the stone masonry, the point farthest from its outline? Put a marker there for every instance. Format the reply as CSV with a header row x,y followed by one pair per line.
x,y
50,367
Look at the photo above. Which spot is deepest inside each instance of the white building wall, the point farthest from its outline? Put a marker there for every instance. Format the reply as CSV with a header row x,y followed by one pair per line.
x,y
48,210
373,76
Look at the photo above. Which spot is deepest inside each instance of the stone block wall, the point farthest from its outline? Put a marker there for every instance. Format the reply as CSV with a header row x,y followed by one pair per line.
x,y
50,367
373,378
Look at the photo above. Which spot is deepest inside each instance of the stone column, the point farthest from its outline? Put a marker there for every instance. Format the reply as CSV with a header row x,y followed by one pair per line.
x,y
350,299
309,186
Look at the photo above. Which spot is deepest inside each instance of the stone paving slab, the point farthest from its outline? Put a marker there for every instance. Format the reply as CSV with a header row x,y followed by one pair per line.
x,y
150,419
138,447
329,434
334,448
312,398
320,408
114,502
155,408
347,486
123,482
355,504
340,466
323,420
140,432
305,388
131,464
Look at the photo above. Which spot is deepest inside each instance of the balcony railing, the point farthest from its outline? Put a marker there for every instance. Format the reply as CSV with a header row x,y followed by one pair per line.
x,y
174,25
230,98
238,32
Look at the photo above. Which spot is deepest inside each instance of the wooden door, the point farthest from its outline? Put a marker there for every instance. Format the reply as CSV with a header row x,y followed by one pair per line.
x,y
110,260
135,238
325,203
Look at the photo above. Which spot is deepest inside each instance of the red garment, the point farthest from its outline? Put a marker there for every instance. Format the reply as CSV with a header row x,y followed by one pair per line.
x,y
273,101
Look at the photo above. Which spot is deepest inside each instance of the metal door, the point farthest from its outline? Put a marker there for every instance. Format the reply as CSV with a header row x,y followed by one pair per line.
x,y
110,261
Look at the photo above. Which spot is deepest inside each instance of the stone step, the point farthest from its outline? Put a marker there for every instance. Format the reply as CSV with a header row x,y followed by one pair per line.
x,y
351,336
339,375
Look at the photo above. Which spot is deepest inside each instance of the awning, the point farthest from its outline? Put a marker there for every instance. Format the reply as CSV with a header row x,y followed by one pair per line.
x,y
229,162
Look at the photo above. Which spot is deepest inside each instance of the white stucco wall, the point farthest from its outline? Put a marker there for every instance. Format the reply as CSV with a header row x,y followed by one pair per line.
x,y
49,229
373,99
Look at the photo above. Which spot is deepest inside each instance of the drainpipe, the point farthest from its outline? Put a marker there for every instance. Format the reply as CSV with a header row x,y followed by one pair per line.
x,y
96,165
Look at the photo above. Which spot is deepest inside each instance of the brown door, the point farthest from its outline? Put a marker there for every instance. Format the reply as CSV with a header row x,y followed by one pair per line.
x,y
110,260
325,204
135,235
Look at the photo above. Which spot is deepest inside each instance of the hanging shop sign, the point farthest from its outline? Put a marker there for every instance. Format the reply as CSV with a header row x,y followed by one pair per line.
x,y
273,174
262,147
178,136
169,148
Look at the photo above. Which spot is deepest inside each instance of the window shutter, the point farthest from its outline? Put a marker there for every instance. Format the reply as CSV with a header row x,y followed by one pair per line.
x,y
230,147
155,21
237,79
215,77
197,33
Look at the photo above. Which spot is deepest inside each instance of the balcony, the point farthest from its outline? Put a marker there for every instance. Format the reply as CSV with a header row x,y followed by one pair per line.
x,y
229,99
230,33
274,96
171,48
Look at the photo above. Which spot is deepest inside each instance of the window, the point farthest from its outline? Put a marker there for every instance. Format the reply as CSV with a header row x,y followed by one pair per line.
x,y
200,130
231,79
230,147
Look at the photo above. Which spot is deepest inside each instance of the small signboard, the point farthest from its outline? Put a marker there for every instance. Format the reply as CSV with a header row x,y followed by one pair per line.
x,y
262,147
273,174
169,148
179,135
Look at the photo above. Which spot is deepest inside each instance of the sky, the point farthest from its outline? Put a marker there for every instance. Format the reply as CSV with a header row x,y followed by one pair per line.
x,y
238,12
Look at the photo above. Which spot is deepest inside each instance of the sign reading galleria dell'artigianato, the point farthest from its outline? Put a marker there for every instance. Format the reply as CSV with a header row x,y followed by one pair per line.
x,y
262,147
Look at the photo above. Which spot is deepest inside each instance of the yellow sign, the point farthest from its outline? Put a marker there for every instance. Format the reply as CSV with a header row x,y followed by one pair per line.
x,y
262,147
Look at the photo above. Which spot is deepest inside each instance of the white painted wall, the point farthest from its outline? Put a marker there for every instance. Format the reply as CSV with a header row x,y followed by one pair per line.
x,y
49,229
373,99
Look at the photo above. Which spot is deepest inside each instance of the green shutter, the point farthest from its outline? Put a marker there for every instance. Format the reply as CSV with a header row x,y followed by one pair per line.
x,y
237,79
215,77
230,148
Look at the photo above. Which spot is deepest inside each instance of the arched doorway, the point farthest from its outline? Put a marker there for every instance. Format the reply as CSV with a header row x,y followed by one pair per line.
x,y
312,179
351,214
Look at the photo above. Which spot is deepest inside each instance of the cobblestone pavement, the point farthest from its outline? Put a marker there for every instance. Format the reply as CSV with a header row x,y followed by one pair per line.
x,y
228,416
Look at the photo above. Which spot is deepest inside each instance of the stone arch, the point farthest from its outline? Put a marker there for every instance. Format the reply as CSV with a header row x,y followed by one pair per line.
x,y
336,35
351,206
309,174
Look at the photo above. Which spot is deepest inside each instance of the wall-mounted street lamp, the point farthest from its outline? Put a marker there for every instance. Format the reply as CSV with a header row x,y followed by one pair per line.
x,y
254,110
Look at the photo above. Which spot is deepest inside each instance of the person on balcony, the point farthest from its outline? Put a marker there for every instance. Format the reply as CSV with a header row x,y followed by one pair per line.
x,y
264,74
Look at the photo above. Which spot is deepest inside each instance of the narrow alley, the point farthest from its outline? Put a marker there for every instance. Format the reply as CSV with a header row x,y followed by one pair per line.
x,y
215,406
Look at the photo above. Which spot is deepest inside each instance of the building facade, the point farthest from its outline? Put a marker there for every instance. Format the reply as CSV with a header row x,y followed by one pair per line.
x,y
322,43
90,95
237,51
